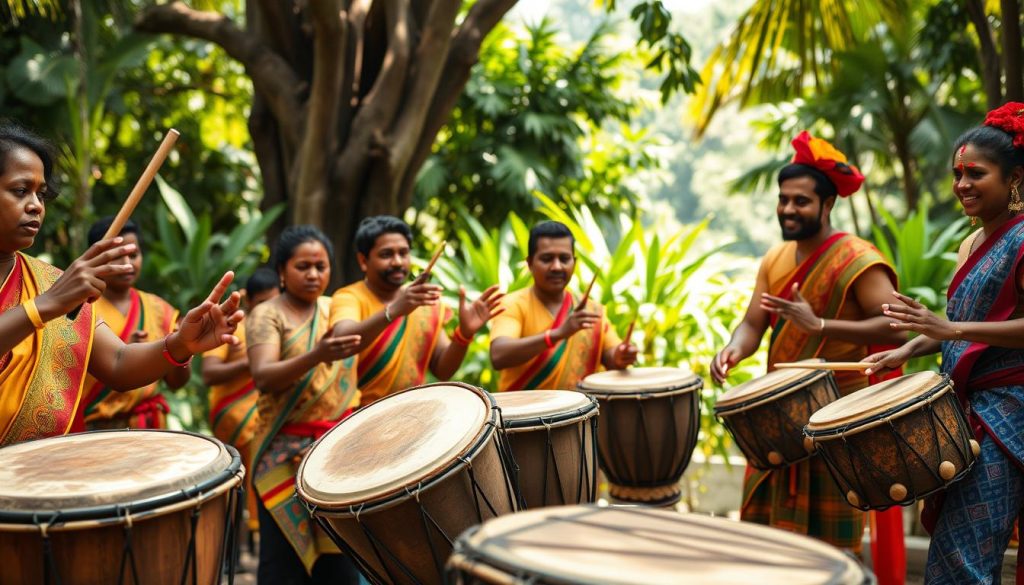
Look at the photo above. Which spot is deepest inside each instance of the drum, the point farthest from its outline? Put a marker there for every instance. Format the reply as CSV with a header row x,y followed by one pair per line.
x,y
396,482
895,442
118,507
767,415
577,545
650,418
551,437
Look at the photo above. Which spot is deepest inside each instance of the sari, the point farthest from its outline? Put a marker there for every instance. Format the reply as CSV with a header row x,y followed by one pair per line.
x,y
803,498
292,419
972,522
41,378
141,408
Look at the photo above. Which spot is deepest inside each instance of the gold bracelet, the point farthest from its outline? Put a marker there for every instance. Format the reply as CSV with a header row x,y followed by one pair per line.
x,y
33,314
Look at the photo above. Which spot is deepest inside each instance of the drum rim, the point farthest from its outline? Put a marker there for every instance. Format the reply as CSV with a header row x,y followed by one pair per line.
x,y
940,389
793,386
560,419
153,506
655,392
397,495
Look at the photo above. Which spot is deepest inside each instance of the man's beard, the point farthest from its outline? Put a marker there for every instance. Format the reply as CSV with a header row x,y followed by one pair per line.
x,y
806,228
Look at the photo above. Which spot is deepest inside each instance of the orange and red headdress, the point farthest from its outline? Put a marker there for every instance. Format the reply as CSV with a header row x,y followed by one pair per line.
x,y
819,154
1009,118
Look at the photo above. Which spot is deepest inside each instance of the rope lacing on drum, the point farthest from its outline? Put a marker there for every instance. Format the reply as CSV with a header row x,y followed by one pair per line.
x,y
50,571
127,551
378,546
190,556
232,522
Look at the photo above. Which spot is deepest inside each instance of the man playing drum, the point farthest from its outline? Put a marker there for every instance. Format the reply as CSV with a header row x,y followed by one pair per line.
x,y
401,326
135,316
44,356
541,341
821,292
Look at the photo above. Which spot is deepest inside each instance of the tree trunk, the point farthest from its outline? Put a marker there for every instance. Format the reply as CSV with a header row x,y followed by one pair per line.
x,y
83,140
349,96
1011,36
991,71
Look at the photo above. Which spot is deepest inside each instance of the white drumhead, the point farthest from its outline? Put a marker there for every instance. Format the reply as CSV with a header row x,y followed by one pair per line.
x,y
395,442
873,400
768,383
527,404
627,545
633,380
105,467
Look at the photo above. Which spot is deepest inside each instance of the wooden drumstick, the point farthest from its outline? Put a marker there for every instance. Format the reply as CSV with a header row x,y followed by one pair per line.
x,y
426,273
629,330
137,192
835,366
586,295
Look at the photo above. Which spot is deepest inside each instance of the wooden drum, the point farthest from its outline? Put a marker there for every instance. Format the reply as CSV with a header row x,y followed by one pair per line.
x,y
118,507
397,481
895,442
551,434
766,415
650,418
619,545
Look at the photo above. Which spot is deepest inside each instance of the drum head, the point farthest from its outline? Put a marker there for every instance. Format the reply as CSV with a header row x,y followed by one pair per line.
x,y
398,441
587,544
639,380
767,384
105,468
550,404
875,400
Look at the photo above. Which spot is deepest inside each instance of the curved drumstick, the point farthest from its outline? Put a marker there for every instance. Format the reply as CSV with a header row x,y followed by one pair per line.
x,y
137,192
836,366
586,295
426,272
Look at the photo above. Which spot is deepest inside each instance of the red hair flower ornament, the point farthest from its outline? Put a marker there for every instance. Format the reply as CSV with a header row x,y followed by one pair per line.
x,y
1009,118
819,154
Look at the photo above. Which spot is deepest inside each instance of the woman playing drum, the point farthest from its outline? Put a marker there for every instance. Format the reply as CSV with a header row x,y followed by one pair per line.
x,y
306,385
44,357
982,345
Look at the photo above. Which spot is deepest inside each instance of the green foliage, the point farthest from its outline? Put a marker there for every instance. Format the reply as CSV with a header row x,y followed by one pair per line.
x,y
924,258
685,306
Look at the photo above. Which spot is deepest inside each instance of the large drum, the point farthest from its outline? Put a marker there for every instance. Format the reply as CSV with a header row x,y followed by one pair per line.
x,y
118,507
551,434
767,415
577,545
397,481
650,418
895,442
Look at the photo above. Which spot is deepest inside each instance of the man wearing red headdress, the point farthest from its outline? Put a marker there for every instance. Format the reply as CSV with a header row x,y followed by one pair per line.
x,y
821,291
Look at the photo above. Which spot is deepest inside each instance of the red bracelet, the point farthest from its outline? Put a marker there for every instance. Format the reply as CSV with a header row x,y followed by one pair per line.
x,y
457,337
547,339
170,358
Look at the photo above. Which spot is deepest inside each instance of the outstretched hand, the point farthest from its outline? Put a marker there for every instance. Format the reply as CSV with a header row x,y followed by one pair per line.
x,y
473,316
797,311
212,323
911,315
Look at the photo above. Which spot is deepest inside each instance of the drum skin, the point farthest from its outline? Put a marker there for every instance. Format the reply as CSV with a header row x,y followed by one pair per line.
x,y
768,429
412,526
902,455
87,549
646,438
555,454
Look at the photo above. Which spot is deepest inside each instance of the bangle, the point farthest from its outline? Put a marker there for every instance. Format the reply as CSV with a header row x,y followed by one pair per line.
x,y
459,338
387,313
958,334
821,328
33,314
170,358
547,339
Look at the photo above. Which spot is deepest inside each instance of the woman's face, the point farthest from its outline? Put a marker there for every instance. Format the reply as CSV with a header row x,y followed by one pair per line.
x,y
22,191
307,272
979,183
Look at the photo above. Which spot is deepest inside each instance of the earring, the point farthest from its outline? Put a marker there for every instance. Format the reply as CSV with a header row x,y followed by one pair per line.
x,y
1016,205
974,222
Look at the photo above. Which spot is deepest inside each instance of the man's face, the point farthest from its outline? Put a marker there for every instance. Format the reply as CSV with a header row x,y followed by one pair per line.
x,y
387,265
552,264
800,209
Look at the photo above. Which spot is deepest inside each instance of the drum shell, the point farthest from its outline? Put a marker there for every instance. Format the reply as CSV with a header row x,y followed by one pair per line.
x,y
399,521
646,439
774,423
906,448
539,449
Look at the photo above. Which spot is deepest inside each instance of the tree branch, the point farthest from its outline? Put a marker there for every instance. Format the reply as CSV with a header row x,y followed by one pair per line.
x,y
988,55
329,44
271,75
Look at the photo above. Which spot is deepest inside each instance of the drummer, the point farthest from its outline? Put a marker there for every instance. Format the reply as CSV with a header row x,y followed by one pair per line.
x,y
821,292
982,345
135,316
44,356
401,325
541,341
